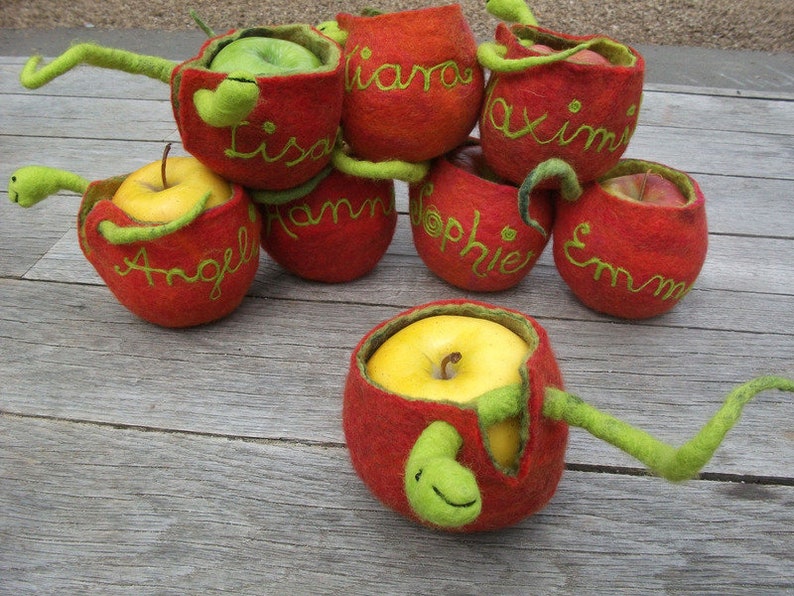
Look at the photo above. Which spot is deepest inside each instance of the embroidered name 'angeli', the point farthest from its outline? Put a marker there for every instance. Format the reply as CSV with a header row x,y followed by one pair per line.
x,y
302,216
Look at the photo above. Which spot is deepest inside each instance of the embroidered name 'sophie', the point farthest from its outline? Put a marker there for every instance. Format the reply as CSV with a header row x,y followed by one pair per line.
x,y
292,153
452,231
291,219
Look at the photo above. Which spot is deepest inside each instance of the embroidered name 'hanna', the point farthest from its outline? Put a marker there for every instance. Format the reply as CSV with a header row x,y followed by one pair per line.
x,y
211,271
500,116
665,288
291,153
393,77
301,215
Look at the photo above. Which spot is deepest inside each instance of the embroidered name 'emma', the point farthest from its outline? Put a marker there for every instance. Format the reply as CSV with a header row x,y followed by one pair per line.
x,y
500,115
210,271
302,216
292,153
452,231
391,77
665,288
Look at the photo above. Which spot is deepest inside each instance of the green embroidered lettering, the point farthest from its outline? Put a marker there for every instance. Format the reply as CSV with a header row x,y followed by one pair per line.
x,y
391,77
500,116
207,271
666,288
301,215
292,153
452,232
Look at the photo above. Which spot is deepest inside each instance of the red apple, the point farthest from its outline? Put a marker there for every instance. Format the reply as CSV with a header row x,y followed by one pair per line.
x,y
629,258
336,233
467,228
580,57
382,426
647,187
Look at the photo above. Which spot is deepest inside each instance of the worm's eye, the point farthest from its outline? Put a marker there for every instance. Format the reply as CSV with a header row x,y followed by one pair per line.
x,y
418,475
13,178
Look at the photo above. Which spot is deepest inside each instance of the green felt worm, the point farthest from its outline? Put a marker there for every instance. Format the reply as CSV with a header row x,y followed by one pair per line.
x,y
228,105
379,170
569,187
31,184
444,492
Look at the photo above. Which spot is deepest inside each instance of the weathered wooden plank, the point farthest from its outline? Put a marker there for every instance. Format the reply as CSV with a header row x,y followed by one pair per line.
x,y
276,369
87,506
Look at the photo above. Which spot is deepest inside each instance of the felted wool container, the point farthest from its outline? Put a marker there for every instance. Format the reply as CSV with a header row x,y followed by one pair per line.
x,y
336,233
413,86
540,106
467,227
632,258
190,276
383,428
287,137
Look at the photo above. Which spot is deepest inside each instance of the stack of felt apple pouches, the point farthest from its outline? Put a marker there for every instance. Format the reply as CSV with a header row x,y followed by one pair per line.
x,y
559,111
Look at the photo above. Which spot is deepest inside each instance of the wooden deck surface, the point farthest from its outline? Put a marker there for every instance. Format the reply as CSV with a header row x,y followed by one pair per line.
x,y
135,459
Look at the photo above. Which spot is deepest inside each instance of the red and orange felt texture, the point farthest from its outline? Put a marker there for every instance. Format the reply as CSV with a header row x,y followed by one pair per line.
x,y
468,229
412,81
584,114
189,277
336,233
626,258
382,427
290,133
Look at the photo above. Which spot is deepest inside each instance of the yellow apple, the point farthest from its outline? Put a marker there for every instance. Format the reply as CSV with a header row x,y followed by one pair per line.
x,y
455,359
160,193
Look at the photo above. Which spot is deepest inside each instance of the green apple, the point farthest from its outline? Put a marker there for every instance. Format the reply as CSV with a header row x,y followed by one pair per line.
x,y
165,190
454,358
264,56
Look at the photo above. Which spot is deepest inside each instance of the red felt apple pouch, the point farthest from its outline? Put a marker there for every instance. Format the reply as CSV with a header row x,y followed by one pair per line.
x,y
337,227
628,257
434,458
539,106
413,87
189,272
382,427
264,132
467,228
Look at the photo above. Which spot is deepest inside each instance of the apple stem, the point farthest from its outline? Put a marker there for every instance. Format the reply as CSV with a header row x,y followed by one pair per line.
x,y
452,358
644,183
162,165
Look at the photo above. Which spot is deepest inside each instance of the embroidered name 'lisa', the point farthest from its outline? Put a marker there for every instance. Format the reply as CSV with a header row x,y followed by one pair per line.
x,y
210,271
302,216
452,231
500,115
393,77
292,153
665,288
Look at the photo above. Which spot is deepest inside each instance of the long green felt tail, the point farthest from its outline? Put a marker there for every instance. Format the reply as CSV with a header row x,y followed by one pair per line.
x,y
666,461
92,54
379,170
